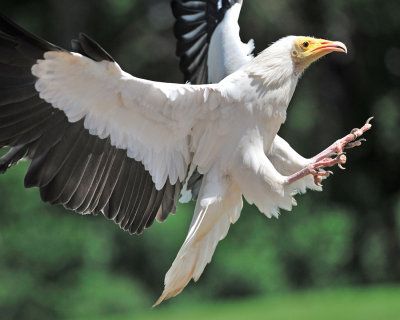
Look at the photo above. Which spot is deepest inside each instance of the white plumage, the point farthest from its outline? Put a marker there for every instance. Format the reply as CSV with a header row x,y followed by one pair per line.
x,y
227,130
227,52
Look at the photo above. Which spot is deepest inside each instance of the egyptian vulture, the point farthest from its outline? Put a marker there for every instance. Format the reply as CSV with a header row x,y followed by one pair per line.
x,y
102,140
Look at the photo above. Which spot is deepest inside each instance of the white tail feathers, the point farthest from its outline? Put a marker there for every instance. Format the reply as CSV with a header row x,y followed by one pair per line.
x,y
209,226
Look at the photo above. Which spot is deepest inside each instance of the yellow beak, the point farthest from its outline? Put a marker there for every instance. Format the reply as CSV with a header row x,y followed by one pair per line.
x,y
325,46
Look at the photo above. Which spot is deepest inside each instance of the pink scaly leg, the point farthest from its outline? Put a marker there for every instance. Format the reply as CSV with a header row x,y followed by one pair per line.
x,y
323,159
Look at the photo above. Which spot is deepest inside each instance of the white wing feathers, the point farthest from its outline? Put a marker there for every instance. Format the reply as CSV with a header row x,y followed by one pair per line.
x,y
163,125
151,120
228,130
227,53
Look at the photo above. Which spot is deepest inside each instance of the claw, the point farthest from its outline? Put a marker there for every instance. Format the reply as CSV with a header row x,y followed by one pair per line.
x,y
330,172
332,155
358,132
351,145
354,133
355,143
369,120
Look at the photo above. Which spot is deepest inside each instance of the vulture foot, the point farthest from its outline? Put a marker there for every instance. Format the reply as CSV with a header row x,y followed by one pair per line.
x,y
347,142
315,169
331,156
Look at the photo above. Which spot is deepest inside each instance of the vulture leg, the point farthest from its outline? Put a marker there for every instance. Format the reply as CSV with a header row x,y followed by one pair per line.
x,y
349,141
314,169
323,159
261,184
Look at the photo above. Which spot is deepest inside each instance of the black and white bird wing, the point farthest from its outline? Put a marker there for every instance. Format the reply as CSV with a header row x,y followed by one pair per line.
x,y
208,41
99,139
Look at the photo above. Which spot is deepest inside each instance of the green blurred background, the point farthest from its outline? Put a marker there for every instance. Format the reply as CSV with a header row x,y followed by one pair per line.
x,y
336,256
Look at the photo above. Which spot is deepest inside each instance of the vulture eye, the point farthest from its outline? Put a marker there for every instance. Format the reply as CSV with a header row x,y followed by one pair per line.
x,y
305,44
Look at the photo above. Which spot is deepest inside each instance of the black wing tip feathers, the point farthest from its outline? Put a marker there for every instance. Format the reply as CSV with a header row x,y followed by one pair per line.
x,y
7,26
92,49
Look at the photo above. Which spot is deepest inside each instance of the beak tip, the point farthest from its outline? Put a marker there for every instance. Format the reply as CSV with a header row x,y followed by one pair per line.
x,y
342,46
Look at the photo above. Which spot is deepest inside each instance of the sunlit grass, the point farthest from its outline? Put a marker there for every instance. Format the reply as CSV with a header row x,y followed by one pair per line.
x,y
351,303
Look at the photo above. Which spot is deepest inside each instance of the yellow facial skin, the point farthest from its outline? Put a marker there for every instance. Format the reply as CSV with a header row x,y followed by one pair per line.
x,y
307,49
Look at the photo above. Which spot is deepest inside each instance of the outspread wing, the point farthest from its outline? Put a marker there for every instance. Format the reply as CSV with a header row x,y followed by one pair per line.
x,y
208,41
99,139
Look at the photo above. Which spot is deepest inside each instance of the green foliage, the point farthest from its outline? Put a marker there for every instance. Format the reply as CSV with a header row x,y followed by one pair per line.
x,y
103,293
344,304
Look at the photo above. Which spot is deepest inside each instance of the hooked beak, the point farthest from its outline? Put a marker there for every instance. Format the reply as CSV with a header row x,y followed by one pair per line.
x,y
325,47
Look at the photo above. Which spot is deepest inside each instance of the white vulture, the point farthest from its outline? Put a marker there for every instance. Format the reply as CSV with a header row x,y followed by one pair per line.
x,y
102,140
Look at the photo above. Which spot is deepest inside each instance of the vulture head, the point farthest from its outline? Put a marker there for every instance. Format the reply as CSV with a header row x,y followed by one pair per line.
x,y
306,50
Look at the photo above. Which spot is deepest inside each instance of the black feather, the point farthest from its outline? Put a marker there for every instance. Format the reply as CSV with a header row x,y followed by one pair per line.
x,y
43,169
135,191
144,202
12,157
89,180
99,181
75,179
66,158
114,204
111,179
146,223
92,49
151,210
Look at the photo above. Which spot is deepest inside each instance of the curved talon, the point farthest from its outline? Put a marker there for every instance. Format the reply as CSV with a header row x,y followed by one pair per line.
x,y
353,132
330,172
331,156
334,154
351,145
323,173
356,143
341,160
369,120
317,180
